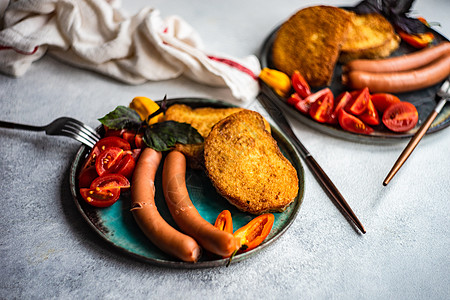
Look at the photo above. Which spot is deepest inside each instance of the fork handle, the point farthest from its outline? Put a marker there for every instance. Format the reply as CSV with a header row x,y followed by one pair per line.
x,y
414,141
11,125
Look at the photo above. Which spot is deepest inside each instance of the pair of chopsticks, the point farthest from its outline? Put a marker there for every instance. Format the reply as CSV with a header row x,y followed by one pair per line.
x,y
442,95
326,183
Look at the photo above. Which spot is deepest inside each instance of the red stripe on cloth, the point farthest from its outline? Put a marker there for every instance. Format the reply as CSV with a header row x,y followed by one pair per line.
x,y
234,64
19,51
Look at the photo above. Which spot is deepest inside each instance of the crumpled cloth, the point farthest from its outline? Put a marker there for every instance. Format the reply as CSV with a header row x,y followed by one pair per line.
x,y
97,35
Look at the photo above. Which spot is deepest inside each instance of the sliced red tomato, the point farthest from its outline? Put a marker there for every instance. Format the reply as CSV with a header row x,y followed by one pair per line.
x,y
359,102
86,176
400,117
125,166
293,99
370,115
353,124
305,104
321,108
135,153
300,85
341,101
107,160
381,101
100,196
111,180
113,132
112,141
138,141
92,157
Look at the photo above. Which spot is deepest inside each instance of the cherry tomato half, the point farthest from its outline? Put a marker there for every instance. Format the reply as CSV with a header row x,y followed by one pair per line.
x,y
381,101
300,85
87,175
341,101
305,104
321,108
370,115
125,166
293,99
353,124
100,196
111,180
107,160
112,141
359,102
400,116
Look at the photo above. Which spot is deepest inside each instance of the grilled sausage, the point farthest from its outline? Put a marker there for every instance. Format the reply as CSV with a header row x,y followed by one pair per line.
x,y
401,63
399,82
186,215
147,216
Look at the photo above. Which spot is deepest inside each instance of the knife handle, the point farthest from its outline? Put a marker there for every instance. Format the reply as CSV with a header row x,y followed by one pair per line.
x,y
333,191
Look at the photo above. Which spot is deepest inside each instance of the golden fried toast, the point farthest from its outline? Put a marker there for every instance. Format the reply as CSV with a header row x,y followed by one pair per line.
x,y
245,165
310,42
202,119
369,36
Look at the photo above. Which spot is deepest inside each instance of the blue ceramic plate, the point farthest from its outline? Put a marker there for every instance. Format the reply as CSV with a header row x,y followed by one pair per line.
x,y
116,224
422,99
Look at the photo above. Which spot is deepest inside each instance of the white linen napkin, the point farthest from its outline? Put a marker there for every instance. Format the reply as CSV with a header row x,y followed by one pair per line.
x,y
97,35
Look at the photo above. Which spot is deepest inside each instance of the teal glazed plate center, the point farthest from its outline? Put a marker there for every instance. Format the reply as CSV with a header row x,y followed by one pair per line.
x,y
116,224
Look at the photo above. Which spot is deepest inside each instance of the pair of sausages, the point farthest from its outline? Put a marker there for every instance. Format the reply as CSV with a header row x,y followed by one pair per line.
x,y
198,232
399,74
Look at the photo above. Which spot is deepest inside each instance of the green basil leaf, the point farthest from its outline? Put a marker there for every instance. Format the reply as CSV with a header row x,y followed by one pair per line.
x,y
122,117
163,136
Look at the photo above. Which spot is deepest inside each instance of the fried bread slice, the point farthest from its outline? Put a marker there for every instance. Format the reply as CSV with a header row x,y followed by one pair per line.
x,y
245,165
310,42
369,36
202,119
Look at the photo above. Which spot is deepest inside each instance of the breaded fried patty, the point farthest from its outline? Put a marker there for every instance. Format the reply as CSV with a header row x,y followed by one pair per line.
x,y
202,119
245,165
369,36
310,41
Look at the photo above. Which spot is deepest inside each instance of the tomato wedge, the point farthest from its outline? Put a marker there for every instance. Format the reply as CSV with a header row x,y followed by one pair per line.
x,y
92,157
100,196
224,221
305,104
353,124
125,166
321,108
341,101
400,117
87,175
112,141
107,160
111,180
293,99
370,115
300,85
359,103
382,101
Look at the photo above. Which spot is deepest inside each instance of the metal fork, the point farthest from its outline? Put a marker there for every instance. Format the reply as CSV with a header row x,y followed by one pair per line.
x,y
63,126
442,95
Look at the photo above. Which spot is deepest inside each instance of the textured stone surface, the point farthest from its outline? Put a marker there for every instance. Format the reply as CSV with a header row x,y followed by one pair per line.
x,y
49,252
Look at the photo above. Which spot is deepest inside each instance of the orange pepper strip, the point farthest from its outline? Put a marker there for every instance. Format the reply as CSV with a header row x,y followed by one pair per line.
x,y
224,221
419,40
255,232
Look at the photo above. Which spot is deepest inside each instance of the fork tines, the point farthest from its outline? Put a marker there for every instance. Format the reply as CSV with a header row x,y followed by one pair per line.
x,y
79,131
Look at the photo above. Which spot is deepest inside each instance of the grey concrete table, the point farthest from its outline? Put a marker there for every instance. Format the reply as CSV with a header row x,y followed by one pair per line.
x,y
47,251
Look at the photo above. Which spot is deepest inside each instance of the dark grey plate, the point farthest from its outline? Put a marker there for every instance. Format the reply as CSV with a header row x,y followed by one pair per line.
x,y
424,100
116,225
